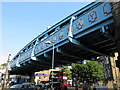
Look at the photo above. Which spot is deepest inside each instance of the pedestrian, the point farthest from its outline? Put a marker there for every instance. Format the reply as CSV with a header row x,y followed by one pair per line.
x,y
93,86
85,86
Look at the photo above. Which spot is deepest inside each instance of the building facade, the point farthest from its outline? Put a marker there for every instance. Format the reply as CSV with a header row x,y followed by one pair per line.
x,y
115,70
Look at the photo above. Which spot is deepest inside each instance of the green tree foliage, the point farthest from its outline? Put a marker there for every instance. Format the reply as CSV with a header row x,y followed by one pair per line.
x,y
68,71
90,72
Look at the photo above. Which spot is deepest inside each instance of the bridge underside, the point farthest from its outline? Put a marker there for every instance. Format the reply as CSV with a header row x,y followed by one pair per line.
x,y
91,45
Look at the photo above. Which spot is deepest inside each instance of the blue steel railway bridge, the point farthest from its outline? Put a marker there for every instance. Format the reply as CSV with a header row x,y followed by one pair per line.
x,y
86,34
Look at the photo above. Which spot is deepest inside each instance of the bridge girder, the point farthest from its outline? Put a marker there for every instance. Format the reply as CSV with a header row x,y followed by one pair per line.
x,y
73,43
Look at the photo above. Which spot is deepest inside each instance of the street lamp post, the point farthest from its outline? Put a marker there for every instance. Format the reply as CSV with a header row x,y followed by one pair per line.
x,y
48,42
52,65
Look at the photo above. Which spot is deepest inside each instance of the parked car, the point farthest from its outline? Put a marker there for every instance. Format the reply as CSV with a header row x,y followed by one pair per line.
x,y
22,86
17,86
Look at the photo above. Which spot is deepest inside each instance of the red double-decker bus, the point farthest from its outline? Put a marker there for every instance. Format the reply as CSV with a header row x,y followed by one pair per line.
x,y
59,79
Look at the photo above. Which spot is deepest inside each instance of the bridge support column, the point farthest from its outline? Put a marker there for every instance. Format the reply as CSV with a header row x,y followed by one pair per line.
x,y
32,77
116,16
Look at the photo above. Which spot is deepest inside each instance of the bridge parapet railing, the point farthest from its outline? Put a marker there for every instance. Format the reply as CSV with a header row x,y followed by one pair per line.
x,y
25,55
22,57
13,63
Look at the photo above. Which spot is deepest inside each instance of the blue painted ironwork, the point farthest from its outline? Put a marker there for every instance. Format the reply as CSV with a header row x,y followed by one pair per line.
x,y
81,35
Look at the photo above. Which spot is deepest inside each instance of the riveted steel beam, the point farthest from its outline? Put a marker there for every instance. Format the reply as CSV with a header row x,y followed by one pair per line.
x,y
67,54
77,43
